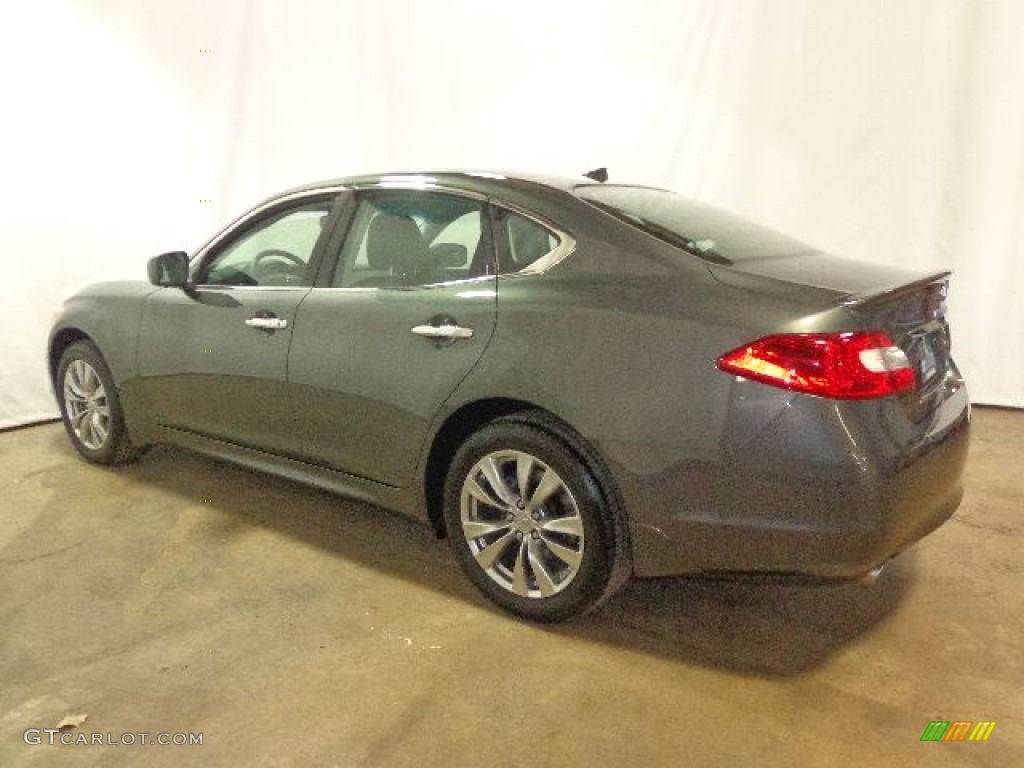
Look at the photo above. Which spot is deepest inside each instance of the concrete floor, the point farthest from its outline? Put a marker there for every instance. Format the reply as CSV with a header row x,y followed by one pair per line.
x,y
290,627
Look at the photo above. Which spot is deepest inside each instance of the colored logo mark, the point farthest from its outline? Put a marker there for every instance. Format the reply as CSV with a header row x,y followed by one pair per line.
x,y
958,730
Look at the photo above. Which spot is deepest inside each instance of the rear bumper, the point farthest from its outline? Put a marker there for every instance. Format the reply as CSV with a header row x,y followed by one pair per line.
x,y
824,488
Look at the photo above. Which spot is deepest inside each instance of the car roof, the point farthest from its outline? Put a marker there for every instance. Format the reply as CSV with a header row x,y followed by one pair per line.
x,y
481,181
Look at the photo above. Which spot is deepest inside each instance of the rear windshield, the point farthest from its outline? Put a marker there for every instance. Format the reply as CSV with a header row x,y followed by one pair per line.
x,y
712,234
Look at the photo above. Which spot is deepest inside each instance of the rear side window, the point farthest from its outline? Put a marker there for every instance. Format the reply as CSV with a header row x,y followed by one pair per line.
x,y
710,233
526,241
408,238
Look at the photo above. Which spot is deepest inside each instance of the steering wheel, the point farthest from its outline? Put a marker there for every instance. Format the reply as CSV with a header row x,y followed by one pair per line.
x,y
290,271
276,253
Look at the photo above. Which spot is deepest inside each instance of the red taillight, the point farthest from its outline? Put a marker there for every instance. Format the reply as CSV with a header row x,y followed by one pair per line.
x,y
846,366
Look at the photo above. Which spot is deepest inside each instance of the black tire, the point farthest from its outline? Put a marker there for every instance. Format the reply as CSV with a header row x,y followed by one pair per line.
x,y
579,503
110,444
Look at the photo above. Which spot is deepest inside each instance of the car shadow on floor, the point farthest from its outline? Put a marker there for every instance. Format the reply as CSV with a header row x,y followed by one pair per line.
x,y
763,629
766,629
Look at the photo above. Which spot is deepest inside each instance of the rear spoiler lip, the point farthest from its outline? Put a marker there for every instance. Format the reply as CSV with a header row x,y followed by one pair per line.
x,y
881,295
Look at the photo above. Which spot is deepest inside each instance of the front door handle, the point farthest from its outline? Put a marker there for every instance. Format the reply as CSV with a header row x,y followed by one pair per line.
x,y
444,331
267,323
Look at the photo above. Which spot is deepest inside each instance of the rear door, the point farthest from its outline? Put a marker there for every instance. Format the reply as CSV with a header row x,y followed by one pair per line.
x,y
213,359
405,309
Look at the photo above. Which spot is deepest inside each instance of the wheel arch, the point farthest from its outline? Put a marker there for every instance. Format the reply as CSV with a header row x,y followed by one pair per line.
x,y
464,422
458,426
470,417
116,444
62,339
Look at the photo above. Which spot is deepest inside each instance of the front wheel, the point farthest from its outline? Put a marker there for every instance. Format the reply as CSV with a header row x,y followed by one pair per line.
x,y
90,407
529,524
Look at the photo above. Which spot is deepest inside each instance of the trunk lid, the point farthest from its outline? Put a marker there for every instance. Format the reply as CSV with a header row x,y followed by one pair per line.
x,y
914,314
813,269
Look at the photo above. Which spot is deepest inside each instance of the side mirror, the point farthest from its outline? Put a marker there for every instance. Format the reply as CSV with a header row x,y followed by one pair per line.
x,y
169,270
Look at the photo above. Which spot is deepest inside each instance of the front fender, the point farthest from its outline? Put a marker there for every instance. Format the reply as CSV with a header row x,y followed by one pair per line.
x,y
109,315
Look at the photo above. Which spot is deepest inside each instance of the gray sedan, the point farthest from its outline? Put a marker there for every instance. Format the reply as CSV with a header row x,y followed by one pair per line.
x,y
576,382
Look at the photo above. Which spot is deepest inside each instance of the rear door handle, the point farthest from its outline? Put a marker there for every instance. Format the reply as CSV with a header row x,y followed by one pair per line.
x,y
445,331
267,323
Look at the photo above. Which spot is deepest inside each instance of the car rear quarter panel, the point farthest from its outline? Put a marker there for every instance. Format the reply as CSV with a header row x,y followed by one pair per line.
x,y
628,361
720,473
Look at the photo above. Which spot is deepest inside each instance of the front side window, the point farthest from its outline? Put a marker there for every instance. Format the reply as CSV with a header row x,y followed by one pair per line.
x,y
412,238
275,252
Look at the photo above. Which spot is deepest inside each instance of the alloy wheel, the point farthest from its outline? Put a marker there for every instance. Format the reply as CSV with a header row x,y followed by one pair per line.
x,y
522,524
86,405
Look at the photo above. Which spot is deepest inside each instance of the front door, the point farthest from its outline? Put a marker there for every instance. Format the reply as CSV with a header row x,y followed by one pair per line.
x,y
214,358
403,318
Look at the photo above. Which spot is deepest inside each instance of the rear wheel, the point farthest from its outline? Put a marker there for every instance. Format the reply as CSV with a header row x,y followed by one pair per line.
x,y
90,407
529,524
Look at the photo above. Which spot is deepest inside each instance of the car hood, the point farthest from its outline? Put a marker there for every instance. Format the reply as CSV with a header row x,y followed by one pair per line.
x,y
114,288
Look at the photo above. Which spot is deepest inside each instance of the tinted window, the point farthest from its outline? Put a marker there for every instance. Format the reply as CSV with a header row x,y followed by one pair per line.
x,y
407,238
527,241
274,252
707,232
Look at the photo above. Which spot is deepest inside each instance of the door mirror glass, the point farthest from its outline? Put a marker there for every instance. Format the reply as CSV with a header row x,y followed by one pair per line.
x,y
169,270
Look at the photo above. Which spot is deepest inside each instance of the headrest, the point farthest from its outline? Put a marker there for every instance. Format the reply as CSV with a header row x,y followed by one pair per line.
x,y
393,242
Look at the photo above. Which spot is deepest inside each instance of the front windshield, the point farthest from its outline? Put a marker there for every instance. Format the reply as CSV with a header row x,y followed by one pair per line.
x,y
710,233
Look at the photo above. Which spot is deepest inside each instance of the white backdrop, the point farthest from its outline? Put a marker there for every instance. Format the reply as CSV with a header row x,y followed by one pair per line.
x,y
885,131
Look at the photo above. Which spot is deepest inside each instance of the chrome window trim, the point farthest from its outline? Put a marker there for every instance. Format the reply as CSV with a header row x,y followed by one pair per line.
x,y
566,245
420,184
425,286
220,287
566,242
